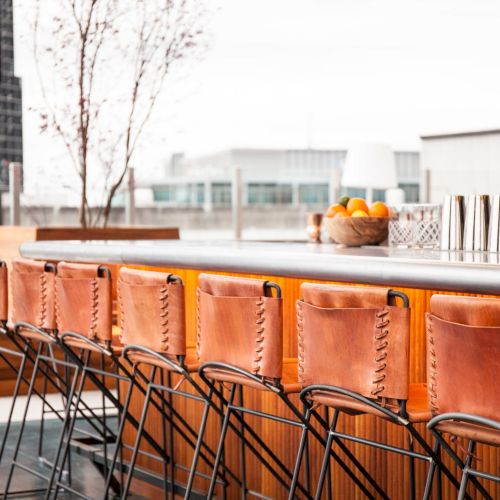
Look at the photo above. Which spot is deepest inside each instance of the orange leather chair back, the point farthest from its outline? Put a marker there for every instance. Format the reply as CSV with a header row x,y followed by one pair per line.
x,y
33,293
152,311
84,304
239,325
463,355
350,337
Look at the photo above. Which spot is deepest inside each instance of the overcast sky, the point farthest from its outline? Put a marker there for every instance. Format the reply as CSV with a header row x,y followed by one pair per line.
x,y
321,73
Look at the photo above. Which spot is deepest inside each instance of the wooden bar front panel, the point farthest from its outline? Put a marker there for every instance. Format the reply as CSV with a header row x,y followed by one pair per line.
x,y
389,469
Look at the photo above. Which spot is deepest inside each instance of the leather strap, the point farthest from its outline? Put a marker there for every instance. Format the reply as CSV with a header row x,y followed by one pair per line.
x,y
230,286
473,311
33,293
239,326
83,300
4,292
152,311
344,296
355,341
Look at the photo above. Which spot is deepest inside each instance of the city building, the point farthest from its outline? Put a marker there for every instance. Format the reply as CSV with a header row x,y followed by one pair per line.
x,y
275,177
11,128
460,163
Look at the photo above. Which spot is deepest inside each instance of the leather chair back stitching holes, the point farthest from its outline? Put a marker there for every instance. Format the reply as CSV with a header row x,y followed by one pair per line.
x,y
152,317
354,358
463,368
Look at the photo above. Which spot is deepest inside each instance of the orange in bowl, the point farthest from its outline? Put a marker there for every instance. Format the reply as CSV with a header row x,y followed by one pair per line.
x,y
359,213
379,209
335,209
355,204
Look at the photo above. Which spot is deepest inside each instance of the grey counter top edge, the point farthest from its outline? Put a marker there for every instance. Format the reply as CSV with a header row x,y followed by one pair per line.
x,y
427,274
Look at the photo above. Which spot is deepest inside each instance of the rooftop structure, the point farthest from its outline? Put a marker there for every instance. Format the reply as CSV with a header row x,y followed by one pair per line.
x,y
295,177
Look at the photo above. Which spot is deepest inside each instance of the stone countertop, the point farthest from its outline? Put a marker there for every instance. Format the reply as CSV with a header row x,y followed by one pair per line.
x,y
417,268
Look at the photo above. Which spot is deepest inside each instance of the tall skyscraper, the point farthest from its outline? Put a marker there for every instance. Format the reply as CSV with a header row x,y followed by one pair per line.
x,y
11,124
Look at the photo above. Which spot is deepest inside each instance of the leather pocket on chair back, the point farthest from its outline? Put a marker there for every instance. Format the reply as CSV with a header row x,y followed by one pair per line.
x,y
83,301
463,367
33,294
4,293
152,311
364,350
243,331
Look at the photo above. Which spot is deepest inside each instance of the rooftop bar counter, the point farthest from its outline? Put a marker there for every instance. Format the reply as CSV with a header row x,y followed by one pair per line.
x,y
418,273
418,268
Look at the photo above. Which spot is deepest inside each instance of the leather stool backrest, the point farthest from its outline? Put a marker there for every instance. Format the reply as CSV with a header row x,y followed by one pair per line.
x,y
152,311
83,300
4,293
33,295
463,355
239,324
350,337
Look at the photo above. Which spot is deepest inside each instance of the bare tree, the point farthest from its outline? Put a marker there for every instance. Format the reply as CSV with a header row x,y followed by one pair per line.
x,y
102,65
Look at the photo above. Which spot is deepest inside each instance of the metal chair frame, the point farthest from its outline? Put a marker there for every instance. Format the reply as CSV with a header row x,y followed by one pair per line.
x,y
238,410
124,416
45,365
468,472
97,377
401,419
168,412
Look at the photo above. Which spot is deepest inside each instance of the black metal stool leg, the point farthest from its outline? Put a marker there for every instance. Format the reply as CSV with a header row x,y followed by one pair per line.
x,y
465,470
118,453
23,422
222,460
17,387
242,447
300,454
42,419
433,468
199,442
67,427
137,443
439,474
170,431
411,470
104,417
326,456
220,447
120,433
328,472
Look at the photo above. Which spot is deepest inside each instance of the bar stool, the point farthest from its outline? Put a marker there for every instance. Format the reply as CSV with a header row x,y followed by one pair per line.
x,y
154,338
33,333
463,371
354,358
240,343
6,353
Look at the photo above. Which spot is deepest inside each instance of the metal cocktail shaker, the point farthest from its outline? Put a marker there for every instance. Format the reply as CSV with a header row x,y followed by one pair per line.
x,y
494,229
452,223
476,223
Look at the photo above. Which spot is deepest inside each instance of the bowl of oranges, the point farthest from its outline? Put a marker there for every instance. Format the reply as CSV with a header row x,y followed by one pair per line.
x,y
353,223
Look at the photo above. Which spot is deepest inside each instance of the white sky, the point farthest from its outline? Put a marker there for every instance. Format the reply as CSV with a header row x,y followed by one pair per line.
x,y
320,73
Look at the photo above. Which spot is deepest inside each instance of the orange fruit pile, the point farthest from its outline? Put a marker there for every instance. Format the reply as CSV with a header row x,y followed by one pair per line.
x,y
357,207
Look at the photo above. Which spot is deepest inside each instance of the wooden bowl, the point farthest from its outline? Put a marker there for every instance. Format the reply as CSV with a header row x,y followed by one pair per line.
x,y
358,231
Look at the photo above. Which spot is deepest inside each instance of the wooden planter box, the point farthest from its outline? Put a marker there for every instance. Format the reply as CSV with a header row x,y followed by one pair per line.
x,y
11,238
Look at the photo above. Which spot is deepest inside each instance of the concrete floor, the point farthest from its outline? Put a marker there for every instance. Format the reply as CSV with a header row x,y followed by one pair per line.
x,y
85,477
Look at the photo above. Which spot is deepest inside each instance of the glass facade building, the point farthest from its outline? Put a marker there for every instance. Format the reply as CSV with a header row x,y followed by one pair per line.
x,y
273,177
11,128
